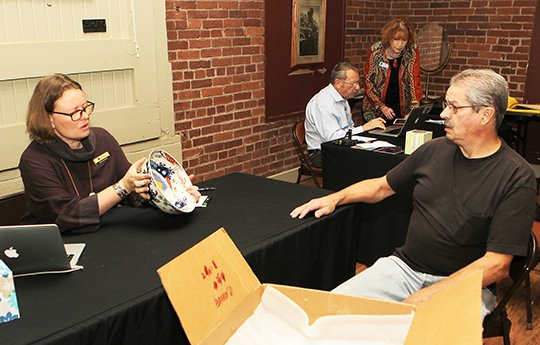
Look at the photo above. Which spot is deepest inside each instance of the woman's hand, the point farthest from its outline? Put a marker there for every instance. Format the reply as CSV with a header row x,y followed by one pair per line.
x,y
136,181
194,190
388,112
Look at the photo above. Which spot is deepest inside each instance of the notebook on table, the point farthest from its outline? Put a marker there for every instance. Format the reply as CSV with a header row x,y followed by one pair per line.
x,y
37,249
415,119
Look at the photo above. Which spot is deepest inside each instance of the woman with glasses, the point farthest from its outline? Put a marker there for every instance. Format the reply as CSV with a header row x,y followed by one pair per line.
x,y
73,173
392,73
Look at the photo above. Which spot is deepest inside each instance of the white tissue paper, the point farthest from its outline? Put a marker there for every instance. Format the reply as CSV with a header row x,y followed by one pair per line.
x,y
278,320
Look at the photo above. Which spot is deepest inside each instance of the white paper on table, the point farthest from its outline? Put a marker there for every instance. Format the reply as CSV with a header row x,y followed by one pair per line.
x,y
202,201
375,144
278,320
363,139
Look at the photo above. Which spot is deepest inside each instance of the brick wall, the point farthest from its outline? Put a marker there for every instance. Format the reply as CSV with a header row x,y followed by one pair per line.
x,y
216,49
363,23
483,34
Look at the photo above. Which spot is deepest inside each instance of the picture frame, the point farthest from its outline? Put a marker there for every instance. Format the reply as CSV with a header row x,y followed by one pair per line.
x,y
308,31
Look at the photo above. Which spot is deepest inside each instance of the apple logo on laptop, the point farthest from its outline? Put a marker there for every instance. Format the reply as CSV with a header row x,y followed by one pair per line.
x,y
11,253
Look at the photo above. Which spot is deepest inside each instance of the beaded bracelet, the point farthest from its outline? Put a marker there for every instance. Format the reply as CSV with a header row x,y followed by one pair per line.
x,y
121,191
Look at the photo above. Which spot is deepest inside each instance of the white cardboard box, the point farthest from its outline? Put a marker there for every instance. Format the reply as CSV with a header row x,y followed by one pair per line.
x,y
416,138
213,291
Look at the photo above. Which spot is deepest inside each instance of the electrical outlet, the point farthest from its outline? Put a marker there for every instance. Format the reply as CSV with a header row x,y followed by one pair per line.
x,y
94,25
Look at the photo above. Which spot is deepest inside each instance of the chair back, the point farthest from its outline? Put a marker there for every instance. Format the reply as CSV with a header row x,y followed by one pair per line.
x,y
520,266
299,136
497,322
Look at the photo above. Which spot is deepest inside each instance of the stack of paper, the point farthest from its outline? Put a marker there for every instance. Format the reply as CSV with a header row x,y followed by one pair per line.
x,y
375,145
363,139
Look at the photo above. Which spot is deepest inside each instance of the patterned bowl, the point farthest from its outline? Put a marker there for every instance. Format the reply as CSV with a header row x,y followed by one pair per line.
x,y
168,189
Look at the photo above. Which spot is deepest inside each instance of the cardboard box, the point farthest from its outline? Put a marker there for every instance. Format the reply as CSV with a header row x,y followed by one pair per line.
x,y
213,291
416,138
9,308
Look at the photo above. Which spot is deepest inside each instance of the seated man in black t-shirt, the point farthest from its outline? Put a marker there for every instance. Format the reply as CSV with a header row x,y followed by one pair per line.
x,y
474,201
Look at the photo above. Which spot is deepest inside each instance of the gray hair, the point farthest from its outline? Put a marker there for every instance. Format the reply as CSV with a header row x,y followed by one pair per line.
x,y
340,71
486,88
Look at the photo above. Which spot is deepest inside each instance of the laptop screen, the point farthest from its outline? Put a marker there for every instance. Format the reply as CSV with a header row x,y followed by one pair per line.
x,y
33,249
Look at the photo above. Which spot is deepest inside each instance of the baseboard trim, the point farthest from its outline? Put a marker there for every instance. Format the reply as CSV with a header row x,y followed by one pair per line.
x,y
287,176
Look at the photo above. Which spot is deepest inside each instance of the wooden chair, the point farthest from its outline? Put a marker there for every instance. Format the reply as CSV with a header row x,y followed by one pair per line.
x,y
496,323
306,168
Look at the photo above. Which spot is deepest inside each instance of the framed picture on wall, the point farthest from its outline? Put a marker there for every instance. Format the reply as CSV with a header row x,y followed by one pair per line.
x,y
308,31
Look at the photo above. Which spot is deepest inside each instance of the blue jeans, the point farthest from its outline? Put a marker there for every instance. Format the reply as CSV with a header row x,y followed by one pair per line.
x,y
392,279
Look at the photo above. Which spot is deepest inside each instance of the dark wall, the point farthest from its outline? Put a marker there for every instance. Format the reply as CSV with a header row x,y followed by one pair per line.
x,y
286,95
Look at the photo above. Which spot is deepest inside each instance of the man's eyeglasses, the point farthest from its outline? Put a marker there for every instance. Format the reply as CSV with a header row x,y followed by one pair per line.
x,y
356,82
88,109
454,108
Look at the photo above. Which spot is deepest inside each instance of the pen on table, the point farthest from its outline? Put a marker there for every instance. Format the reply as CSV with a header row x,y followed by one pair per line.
x,y
206,189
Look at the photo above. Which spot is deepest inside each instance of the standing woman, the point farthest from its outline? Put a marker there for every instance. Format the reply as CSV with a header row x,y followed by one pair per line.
x,y
392,73
73,173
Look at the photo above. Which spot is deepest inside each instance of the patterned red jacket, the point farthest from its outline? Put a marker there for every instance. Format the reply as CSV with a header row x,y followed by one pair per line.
x,y
376,79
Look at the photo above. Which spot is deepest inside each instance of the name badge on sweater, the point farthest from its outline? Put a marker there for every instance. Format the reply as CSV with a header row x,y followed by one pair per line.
x,y
383,65
102,158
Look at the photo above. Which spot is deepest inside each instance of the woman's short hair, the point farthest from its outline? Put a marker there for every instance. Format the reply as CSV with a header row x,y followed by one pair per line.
x,y
485,88
47,91
394,26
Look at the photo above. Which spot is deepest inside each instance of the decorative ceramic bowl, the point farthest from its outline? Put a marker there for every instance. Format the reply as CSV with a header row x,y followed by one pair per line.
x,y
168,189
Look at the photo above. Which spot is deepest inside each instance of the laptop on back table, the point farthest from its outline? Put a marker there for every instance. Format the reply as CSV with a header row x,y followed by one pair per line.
x,y
415,119
37,249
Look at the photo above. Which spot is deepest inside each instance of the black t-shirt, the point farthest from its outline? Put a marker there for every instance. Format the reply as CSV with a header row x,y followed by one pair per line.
x,y
463,207
392,98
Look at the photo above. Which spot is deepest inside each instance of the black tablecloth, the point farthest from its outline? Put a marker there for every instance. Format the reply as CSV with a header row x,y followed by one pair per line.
x,y
382,227
118,298
521,121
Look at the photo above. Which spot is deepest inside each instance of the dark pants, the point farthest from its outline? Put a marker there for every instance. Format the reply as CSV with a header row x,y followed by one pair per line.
x,y
315,156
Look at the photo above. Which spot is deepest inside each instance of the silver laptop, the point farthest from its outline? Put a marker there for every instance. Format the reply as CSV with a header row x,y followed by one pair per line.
x,y
37,249
414,120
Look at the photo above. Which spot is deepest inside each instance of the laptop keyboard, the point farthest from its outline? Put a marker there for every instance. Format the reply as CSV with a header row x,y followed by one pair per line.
x,y
393,131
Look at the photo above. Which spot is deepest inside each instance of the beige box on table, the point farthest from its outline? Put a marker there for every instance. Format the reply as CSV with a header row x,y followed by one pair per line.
x,y
416,138
213,290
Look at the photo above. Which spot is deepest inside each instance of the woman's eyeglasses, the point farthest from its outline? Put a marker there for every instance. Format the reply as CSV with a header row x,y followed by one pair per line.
x,y
88,109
